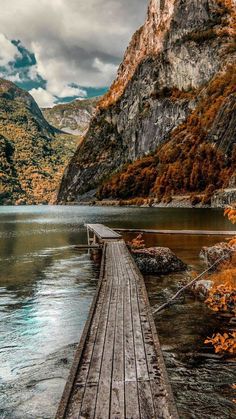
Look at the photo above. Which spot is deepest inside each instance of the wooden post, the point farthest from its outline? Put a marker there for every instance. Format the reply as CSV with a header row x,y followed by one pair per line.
x,y
88,236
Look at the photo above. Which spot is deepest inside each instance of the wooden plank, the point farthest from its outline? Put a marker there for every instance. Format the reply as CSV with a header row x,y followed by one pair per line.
x,y
89,402
118,389
131,387
65,399
79,391
151,393
141,361
103,232
145,400
161,390
144,389
96,358
154,392
120,372
105,381
131,400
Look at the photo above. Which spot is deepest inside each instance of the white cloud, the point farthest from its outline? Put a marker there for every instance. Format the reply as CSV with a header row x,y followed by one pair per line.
x,y
43,98
70,91
14,78
54,67
74,41
108,70
8,51
33,72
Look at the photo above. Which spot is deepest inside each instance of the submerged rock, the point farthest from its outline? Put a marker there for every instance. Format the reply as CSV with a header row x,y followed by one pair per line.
x,y
201,288
211,254
158,260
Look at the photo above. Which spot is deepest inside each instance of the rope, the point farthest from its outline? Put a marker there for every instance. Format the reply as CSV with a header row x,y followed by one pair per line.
x,y
165,305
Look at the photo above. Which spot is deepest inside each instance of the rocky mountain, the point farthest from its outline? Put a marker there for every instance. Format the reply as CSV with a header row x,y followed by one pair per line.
x,y
73,117
33,154
168,123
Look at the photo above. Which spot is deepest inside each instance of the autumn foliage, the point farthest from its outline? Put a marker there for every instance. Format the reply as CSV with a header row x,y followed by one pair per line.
x,y
222,298
137,242
190,162
231,214
223,343
32,155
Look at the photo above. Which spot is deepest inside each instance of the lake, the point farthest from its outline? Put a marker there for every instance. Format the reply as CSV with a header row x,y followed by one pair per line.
x,y
46,288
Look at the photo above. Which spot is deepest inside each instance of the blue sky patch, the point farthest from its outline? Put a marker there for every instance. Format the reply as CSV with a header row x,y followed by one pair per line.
x,y
20,72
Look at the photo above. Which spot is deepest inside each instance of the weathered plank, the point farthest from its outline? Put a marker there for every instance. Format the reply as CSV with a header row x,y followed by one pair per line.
x,y
103,232
105,382
120,372
93,377
118,387
131,386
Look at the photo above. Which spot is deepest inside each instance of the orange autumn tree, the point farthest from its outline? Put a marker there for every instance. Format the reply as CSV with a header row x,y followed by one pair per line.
x,y
222,298
137,242
231,214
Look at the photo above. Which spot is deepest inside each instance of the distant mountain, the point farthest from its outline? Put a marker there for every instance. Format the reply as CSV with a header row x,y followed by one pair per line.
x,y
73,117
33,154
168,124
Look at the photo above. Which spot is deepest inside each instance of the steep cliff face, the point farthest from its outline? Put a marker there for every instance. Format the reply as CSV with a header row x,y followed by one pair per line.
x,y
72,118
33,154
147,41
182,48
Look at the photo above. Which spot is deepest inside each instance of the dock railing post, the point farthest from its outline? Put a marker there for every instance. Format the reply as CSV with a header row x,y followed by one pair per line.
x,y
88,236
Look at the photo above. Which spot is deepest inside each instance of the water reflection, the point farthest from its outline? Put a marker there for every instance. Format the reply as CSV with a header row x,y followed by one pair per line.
x,y
46,288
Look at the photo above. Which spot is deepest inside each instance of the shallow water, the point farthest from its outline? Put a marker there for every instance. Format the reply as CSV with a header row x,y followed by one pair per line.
x,y
46,288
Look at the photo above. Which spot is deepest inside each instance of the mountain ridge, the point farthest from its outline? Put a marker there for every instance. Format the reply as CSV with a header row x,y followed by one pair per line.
x,y
139,116
73,117
141,45
33,154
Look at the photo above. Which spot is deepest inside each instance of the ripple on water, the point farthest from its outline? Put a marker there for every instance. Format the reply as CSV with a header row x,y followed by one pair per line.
x,y
46,288
37,318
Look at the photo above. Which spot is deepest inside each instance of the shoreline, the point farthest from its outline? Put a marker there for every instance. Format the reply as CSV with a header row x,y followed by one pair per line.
x,y
180,202
140,203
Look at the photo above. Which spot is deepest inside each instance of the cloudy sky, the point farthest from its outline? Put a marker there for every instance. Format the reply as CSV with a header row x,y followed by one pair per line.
x,y
63,49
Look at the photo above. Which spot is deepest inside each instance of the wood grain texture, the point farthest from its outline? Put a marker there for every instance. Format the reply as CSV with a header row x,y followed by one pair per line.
x,y
103,232
120,373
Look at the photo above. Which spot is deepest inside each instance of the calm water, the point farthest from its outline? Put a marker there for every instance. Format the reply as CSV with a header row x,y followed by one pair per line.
x,y
46,288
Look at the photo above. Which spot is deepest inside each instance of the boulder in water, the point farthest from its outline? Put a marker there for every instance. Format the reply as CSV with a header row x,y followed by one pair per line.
x,y
157,260
213,253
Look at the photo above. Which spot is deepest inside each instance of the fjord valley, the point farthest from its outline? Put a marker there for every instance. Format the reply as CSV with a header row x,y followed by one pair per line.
x,y
167,126
117,297
73,117
33,153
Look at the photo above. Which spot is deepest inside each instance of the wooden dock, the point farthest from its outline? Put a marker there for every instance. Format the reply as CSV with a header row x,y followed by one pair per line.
x,y
118,371
101,233
180,232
